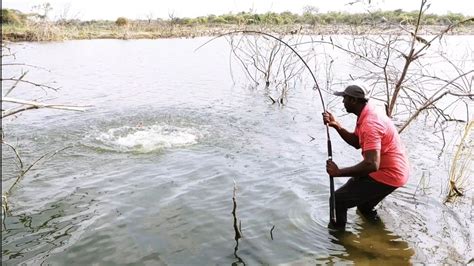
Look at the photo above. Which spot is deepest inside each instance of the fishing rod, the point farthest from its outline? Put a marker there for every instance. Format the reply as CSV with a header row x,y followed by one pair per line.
x,y
332,199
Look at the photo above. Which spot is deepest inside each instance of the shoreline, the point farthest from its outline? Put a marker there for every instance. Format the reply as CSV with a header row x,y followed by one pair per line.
x,y
51,32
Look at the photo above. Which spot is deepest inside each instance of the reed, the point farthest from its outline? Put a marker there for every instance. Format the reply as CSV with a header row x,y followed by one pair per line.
x,y
461,165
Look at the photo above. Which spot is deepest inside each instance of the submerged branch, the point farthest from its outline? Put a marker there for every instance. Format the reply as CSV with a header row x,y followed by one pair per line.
x,y
237,228
23,171
238,233
252,32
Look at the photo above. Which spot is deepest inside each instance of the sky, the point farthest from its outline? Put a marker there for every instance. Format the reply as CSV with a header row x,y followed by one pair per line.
x,y
142,9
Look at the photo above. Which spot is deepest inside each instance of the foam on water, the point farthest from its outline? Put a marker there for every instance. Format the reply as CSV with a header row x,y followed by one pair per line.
x,y
145,139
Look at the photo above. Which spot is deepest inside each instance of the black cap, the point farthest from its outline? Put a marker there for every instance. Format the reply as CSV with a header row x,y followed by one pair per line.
x,y
354,91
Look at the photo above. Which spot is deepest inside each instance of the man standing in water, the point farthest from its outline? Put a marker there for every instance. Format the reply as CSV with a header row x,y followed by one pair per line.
x,y
384,167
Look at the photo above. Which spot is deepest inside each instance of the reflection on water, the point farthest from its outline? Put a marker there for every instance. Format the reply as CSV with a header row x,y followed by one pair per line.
x,y
32,237
239,260
372,244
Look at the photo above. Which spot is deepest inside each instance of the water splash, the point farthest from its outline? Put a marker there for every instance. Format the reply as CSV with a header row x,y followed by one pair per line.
x,y
145,139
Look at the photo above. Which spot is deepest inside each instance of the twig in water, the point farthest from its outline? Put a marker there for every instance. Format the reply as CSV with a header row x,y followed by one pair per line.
x,y
271,231
238,233
237,228
23,171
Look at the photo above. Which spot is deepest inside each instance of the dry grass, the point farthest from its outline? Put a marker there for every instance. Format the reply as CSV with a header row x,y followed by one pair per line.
x,y
49,31
461,165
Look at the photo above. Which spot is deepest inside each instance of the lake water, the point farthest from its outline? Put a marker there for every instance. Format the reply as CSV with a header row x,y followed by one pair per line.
x,y
150,174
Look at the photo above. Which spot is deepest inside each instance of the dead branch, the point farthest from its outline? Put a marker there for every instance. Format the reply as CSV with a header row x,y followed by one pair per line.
x,y
238,233
271,232
39,85
24,170
237,228
29,105
15,84
429,102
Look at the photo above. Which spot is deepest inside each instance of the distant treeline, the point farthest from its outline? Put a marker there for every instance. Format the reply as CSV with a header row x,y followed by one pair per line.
x,y
17,26
313,18
309,17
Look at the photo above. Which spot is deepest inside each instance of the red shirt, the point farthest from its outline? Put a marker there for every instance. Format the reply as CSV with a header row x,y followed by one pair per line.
x,y
377,132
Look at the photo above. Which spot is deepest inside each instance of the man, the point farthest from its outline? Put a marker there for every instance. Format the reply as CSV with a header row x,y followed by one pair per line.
x,y
384,166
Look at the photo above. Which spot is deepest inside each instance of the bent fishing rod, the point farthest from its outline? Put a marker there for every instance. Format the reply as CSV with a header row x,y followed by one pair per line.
x,y
332,199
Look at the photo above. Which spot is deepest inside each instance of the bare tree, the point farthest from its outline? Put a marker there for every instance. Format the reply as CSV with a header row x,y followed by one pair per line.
x,y
310,10
149,17
269,62
173,20
43,10
65,16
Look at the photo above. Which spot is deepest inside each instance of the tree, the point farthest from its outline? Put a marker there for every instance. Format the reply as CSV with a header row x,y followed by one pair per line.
x,y
311,10
121,21
149,17
65,16
10,16
270,63
43,10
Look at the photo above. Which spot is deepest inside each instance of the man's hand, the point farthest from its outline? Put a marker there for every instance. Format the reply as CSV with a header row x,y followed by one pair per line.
x,y
329,119
332,168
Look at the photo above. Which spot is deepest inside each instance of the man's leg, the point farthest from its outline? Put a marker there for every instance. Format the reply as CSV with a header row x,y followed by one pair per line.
x,y
363,192
380,191
344,200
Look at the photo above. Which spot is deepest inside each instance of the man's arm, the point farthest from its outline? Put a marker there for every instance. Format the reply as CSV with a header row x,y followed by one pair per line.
x,y
349,137
370,164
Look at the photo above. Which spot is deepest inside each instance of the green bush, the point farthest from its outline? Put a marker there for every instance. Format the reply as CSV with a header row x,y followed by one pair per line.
x,y
454,18
211,18
121,21
219,20
201,20
10,16
187,21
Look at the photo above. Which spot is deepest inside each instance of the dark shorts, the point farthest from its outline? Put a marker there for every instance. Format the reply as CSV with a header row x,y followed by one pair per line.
x,y
363,192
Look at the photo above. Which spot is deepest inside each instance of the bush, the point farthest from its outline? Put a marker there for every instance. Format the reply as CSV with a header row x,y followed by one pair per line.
x,y
10,16
121,21
454,17
187,21
201,20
